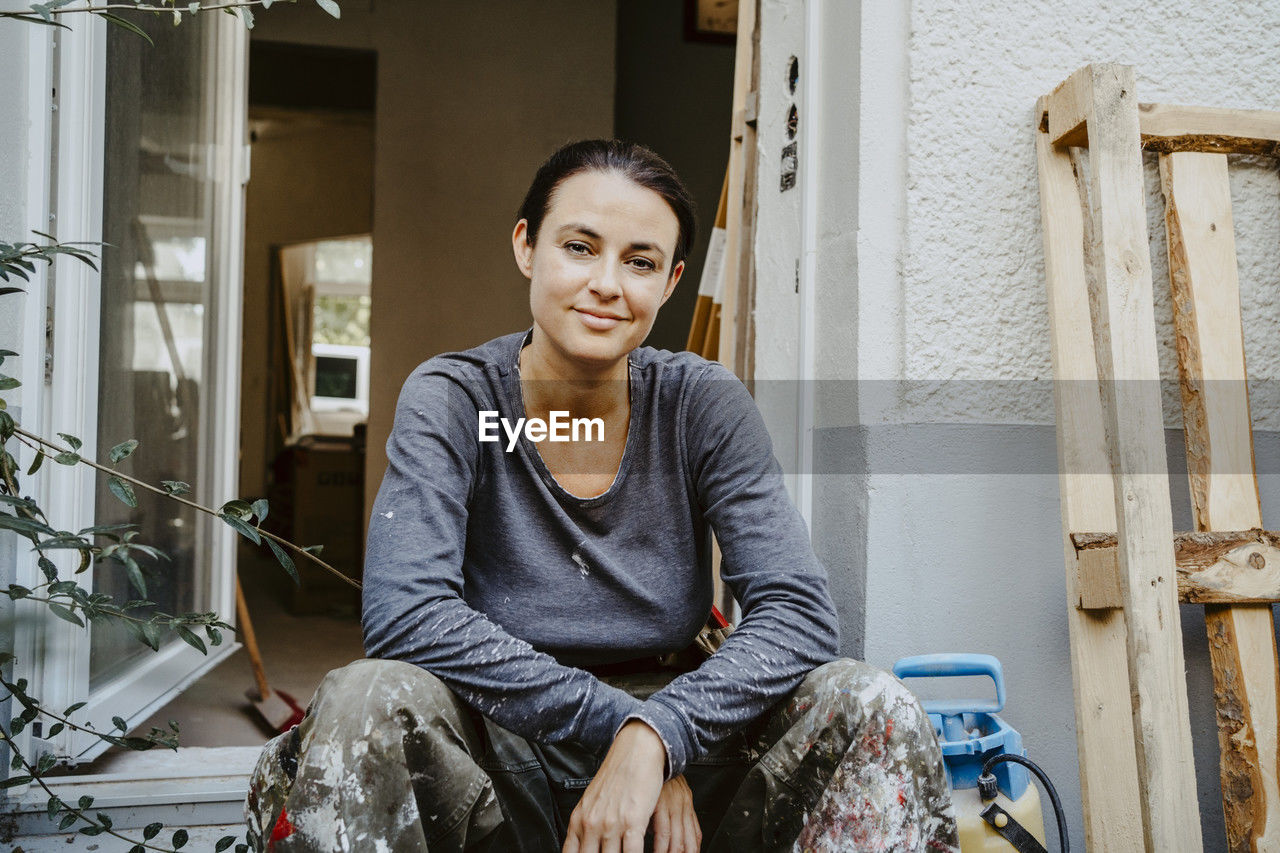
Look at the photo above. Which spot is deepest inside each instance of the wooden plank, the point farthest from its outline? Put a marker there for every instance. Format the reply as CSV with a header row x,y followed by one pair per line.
x,y
1118,269
1104,729
712,268
1065,112
1224,490
742,141
1167,128
1225,567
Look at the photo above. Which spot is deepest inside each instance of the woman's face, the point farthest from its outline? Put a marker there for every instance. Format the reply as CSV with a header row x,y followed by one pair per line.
x,y
600,269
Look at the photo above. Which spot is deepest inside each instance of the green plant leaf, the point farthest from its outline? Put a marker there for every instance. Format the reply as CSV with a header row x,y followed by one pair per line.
x,y
260,508
66,458
56,729
75,443
67,820
285,561
238,508
71,710
36,463
331,7
135,575
15,781
123,449
120,723
7,382
123,491
175,487
63,613
223,843
151,830
127,25
152,632
179,838
191,638
239,525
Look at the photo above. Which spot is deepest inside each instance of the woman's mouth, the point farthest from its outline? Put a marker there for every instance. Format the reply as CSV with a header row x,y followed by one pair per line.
x,y
598,322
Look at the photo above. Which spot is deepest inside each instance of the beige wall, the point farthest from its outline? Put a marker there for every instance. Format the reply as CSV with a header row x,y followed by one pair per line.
x,y
310,178
471,98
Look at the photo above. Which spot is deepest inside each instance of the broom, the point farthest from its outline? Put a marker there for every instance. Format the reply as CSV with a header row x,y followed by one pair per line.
x,y
280,710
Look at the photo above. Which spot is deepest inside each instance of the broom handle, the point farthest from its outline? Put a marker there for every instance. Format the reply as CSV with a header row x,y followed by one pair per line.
x,y
251,642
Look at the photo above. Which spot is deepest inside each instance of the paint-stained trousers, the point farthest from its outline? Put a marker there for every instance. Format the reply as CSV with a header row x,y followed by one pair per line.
x,y
388,759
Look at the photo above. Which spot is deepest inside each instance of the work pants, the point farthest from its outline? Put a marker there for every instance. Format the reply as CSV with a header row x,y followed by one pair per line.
x,y
388,759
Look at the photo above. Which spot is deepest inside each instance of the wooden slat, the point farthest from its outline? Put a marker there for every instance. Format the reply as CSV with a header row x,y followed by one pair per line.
x,y
1167,128
1225,567
1224,491
741,164
1119,272
1104,725
712,269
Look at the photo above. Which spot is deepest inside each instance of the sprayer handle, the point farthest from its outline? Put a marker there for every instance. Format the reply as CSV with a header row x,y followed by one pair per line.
x,y
947,665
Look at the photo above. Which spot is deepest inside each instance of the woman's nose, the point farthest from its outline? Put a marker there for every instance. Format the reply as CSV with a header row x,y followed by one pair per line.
x,y
604,280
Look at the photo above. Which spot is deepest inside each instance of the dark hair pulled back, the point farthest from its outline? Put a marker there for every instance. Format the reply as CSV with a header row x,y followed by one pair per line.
x,y
628,159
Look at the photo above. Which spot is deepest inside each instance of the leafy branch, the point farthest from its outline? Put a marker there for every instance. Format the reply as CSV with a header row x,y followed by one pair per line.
x,y
115,543
237,513
49,12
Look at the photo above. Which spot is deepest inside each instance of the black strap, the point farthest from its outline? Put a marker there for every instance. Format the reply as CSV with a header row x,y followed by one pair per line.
x,y
1013,832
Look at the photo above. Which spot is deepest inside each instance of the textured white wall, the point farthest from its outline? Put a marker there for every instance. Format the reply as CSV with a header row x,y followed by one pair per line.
x,y
974,303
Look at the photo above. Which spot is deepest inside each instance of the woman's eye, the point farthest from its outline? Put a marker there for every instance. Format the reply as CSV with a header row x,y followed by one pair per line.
x,y
644,264
577,248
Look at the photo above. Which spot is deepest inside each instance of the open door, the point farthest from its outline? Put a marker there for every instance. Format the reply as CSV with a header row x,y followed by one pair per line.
x,y
160,356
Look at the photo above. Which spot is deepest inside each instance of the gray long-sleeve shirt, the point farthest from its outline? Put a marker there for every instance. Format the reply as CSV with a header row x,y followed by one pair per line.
x,y
484,571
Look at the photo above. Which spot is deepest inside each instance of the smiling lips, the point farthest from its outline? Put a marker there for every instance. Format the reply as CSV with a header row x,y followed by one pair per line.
x,y
598,322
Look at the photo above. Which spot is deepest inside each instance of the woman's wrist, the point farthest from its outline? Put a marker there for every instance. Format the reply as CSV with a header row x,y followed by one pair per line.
x,y
638,735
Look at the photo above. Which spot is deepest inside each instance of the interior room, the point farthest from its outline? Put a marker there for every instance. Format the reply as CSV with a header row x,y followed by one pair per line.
x,y
385,150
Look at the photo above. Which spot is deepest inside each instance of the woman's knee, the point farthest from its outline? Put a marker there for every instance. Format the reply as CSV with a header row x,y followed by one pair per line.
x,y
860,693
373,690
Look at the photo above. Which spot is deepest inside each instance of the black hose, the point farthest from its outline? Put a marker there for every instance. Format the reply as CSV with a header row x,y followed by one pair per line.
x,y
1063,841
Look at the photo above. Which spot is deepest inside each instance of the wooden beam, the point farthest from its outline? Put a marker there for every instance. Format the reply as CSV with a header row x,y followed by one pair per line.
x,y
1224,567
1104,726
1067,112
1168,128
1119,273
1224,489
729,325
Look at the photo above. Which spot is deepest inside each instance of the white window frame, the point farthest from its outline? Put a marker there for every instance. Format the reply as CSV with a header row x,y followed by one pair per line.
x,y
66,181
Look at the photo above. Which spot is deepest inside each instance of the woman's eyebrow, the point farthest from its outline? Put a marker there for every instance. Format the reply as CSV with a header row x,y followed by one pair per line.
x,y
590,233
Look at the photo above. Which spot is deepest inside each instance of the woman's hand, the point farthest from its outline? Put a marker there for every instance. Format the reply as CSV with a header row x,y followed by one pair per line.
x,y
675,825
615,809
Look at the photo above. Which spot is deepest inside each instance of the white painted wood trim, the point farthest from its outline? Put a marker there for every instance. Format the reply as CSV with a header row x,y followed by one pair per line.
x,y
810,134
58,666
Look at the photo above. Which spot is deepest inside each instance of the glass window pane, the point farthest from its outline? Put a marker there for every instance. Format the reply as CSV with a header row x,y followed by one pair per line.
x,y
157,312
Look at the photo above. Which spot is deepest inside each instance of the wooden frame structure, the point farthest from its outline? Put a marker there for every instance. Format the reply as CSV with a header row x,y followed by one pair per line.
x,y
1127,570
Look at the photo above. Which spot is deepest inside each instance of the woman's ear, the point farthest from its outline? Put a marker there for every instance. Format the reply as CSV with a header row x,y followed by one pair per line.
x,y
672,281
523,251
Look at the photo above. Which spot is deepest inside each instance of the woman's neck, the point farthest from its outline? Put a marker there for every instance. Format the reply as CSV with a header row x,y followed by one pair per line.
x,y
549,385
